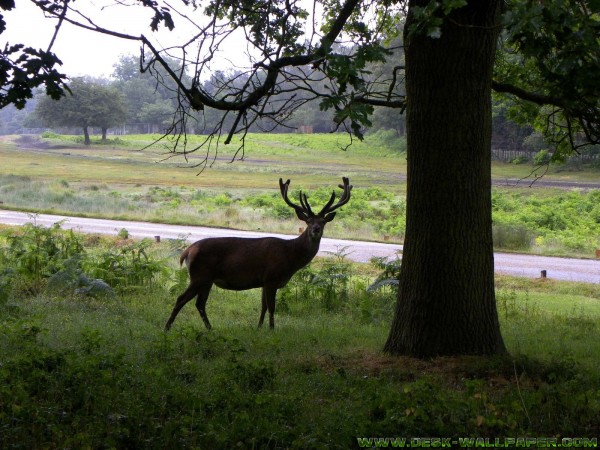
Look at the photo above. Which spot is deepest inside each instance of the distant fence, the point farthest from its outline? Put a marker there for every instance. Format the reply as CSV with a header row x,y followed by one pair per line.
x,y
511,155
587,155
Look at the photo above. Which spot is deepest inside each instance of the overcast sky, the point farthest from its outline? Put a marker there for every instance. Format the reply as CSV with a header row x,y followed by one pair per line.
x,y
86,52
82,52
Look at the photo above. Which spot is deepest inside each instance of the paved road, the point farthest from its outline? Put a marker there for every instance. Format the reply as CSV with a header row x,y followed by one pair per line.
x,y
586,270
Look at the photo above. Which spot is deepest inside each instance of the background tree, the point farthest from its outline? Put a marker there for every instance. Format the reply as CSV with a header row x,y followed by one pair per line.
x,y
157,114
446,299
89,104
550,58
151,104
13,120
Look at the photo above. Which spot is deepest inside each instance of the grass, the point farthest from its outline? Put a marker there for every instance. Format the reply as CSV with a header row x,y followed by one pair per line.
x,y
83,371
58,175
310,162
78,371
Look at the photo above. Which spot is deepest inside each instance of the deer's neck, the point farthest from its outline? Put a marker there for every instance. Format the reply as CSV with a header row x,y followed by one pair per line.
x,y
305,248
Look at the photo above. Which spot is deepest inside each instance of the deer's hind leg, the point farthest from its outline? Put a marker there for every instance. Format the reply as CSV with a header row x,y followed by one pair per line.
x,y
201,303
263,309
201,290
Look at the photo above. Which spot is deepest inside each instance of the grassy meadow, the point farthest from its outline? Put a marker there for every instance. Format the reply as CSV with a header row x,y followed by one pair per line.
x,y
57,174
85,363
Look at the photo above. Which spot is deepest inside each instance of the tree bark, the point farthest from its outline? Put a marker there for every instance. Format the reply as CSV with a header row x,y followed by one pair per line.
x,y
86,136
446,302
104,134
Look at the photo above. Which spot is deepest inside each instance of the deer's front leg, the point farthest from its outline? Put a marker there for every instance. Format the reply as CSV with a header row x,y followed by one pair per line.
x,y
268,302
270,294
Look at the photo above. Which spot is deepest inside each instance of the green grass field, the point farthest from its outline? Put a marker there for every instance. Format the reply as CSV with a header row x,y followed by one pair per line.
x,y
57,174
85,368
85,363
310,160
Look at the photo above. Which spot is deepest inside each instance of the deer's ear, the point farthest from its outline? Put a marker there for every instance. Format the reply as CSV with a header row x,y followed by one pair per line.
x,y
303,217
329,217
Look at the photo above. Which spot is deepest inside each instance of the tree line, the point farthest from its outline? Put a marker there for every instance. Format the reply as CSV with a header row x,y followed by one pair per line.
x,y
143,103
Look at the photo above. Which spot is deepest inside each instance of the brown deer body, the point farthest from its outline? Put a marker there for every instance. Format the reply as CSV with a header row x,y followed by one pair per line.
x,y
241,263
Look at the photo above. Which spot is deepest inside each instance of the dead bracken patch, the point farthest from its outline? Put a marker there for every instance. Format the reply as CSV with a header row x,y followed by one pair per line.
x,y
498,372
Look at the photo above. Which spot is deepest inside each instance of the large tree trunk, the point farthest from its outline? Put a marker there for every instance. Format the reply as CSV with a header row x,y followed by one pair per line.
x,y
104,130
446,302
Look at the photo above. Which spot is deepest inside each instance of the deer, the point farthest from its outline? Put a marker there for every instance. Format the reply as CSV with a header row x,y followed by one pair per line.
x,y
239,264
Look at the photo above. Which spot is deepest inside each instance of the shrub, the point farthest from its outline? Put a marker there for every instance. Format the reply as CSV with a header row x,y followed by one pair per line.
x,y
511,237
35,258
223,200
520,159
542,157
282,211
327,286
73,279
50,135
127,267
389,275
35,252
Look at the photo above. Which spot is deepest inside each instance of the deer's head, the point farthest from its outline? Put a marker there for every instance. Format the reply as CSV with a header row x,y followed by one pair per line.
x,y
316,222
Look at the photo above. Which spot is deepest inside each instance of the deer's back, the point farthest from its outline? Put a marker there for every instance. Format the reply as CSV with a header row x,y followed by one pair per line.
x,y
240,263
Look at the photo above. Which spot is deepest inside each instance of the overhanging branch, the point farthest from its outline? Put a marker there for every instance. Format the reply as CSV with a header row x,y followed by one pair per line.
x,y
536,98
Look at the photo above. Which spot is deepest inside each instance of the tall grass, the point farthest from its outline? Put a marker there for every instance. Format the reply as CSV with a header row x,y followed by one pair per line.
x,y
557,222
119,182
369,218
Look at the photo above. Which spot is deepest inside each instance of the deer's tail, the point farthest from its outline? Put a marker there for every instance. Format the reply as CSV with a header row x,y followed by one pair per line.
x,y
184,257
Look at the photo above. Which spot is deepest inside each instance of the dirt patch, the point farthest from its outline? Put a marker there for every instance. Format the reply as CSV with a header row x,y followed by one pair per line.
x,y
453,370
29,142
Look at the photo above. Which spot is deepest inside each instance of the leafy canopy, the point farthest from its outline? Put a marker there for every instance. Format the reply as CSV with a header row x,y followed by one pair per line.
x,y
23,69
327,50
550,57
90,104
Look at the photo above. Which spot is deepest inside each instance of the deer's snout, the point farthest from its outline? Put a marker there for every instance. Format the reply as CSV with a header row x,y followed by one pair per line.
x,y
316,230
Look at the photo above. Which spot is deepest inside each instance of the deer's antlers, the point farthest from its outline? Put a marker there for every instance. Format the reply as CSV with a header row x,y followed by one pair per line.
x,y
301,211
304,212
347,187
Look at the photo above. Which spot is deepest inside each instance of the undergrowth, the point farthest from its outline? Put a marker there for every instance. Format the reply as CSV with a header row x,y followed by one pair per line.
x,y
554,223
79,370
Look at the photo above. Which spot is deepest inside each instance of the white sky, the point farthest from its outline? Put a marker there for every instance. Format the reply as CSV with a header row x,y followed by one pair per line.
x,y
82,52
86,52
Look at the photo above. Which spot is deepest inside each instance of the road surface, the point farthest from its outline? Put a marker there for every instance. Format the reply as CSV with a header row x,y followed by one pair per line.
x,y
584,270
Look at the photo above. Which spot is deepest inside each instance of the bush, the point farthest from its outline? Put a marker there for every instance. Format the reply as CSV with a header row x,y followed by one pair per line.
x,y
50,135
521,159
73,279
389,275
35,253
35,258
127,267
511,237
388,139
327,286
542,158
